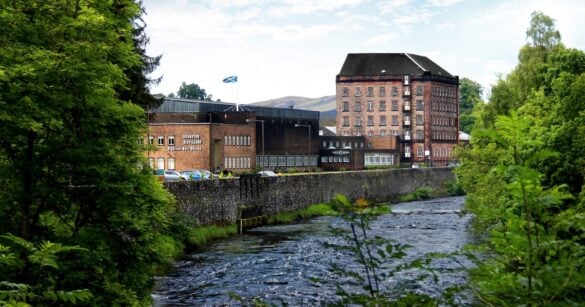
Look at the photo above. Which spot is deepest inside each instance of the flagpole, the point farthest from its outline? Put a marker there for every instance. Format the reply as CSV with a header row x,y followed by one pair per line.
x,y
237,96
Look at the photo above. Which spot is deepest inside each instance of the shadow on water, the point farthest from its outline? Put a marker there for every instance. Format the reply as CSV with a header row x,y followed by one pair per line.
x,y
278,264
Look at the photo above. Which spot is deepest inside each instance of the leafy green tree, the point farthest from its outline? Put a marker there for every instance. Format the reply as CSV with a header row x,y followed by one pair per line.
x,y
524,177
71,168
542,31
529,75
192,91
470,96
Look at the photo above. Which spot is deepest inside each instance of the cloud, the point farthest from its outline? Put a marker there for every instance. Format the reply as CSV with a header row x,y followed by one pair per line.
x,y
306,7
445,26
381,39
443,3
393,5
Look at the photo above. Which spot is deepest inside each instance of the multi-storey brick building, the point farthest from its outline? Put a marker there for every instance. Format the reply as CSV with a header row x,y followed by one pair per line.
x,y
400,94
190,134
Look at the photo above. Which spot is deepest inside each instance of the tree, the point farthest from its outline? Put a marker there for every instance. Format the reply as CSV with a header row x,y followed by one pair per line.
x,y
542,32
192,91
71,168
470,92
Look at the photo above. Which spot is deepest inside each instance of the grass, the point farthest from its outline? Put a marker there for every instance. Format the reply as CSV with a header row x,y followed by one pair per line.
x,y
420,194
311,211
201,236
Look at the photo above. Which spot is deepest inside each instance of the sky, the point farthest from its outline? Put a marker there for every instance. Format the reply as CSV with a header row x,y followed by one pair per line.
x,y
297,47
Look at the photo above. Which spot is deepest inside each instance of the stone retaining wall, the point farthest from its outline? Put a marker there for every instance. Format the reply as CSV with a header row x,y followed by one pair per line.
x,y
221,201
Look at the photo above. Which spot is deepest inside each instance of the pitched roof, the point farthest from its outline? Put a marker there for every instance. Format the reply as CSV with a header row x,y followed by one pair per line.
x,y
378,64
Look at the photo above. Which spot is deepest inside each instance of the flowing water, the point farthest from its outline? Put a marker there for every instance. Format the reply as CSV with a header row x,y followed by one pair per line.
x,y
291,265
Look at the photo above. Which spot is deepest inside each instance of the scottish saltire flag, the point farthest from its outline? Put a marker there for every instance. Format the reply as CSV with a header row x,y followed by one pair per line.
x,y
230,79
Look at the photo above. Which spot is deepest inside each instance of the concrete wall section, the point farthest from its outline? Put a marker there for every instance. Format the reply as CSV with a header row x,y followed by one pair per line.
x,y
221,201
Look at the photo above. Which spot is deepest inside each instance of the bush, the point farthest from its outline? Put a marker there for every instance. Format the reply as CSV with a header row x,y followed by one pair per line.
x,y
420,194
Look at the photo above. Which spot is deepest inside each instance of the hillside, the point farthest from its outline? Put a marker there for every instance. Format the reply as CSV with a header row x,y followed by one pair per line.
x,y
325,105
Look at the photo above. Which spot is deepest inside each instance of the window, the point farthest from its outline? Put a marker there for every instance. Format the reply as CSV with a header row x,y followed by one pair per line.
x,y
370,120
161,140
419,135
406,80
345,91
394,120
394,91
419,151
382,132
358,91
151,163
394,132
150,140
358,121
370,133
394,105
419,120
171,140
382,105
171,163
419,90
370,106
374,158
346,121
382,120
419,105
160,163
324,144
407,120
370,91
345,106
358,106
382,91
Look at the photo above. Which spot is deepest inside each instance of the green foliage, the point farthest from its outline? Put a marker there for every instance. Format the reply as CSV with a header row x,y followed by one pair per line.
x,y
367,287
470,96
42,262
420,193
311,211
71,169
542,31
201,236
192,91
536,261
454,188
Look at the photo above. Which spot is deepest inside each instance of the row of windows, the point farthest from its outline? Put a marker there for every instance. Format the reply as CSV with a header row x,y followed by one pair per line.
x,y
237,140
443,92
357,92
371,106
444,136
346,145
444,107
335,159
160,163
372,158
443,121
236,162
381,132
442,152
170,140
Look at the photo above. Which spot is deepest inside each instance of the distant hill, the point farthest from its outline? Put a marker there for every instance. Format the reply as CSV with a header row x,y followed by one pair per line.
x,y
325,105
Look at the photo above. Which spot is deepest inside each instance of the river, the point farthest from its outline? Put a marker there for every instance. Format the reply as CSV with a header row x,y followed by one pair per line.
x,y
290,265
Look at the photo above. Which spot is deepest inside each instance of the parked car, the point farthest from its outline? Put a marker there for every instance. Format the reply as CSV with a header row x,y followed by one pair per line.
x,y
196,175
172,176
267,174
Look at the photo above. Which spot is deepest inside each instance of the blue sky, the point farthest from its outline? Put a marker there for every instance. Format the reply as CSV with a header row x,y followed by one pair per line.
x,y
296,47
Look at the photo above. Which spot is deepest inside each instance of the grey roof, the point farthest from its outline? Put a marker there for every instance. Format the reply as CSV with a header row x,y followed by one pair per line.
x,y
379,64
173,105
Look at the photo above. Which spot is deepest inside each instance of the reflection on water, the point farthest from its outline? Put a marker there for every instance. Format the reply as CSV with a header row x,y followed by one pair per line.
x,y
278,264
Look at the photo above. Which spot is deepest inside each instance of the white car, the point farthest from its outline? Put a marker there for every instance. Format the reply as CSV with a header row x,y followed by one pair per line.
x,y
172,176
267,174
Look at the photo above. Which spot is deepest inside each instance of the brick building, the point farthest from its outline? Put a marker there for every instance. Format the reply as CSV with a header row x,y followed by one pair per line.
x,y
400,94
191,134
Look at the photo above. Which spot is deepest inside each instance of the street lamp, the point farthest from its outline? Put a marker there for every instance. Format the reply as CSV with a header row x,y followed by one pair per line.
x,y
261,121
309,126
